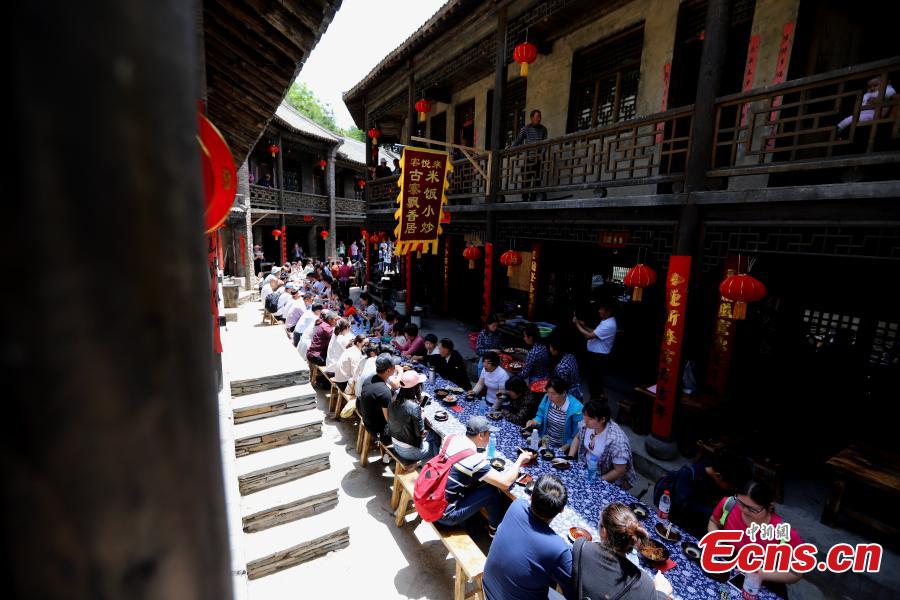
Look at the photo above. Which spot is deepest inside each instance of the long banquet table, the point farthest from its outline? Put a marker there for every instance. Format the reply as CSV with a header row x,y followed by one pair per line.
x,y
586,498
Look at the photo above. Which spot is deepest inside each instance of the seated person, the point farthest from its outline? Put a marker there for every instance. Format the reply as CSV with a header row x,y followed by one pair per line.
x,y
341,336
490,338
492,379
414,344
527,558
348,363
696,489
365,369
602,566
520,406
406,424
472,483
558,415
603,439
321,338
565,365
449,364
869,99
349,309
755,504
376,395
431,342
537,361
305,326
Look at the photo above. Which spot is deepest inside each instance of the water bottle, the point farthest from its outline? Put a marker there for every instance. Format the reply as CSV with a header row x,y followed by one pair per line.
x,y
633,557
534,441
752,583
665,504
591,467
492,445
430,375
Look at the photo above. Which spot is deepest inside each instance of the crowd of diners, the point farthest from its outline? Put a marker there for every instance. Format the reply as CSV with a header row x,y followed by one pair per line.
x,y
526,559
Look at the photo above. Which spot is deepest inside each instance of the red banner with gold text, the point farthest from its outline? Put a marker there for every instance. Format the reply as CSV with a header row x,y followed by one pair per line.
x,y
670,349
423,183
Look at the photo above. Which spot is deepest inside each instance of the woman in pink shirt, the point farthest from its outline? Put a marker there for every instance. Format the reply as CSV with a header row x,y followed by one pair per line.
x,y
756,505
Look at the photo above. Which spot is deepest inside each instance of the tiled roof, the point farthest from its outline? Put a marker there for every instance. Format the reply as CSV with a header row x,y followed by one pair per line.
x,y
304,125
355,151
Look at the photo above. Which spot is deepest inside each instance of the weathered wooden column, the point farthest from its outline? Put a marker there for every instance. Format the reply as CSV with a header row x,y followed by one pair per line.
x,y
243,186
332,203
411,115
279,181
110,444
718,17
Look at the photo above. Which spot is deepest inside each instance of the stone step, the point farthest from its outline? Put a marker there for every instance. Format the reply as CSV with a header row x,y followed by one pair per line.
x,y
303,503
282,401
242,387
290,544
273,432
264,470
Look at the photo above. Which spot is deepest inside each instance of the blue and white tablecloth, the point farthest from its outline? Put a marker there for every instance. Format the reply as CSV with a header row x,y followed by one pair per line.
x,y
586,499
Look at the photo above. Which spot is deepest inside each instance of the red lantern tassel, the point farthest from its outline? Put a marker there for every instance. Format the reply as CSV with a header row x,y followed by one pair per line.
x,y
471,264
638,294
523,69
740,311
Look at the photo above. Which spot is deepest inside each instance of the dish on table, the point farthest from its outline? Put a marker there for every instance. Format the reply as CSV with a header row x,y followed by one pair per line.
x,y
547,454
538,386
691,550
441,393
516,365
525,432
639,510
494,415
454,389
560,463
654,553
451,399
498,463
579,532
440,415
673,536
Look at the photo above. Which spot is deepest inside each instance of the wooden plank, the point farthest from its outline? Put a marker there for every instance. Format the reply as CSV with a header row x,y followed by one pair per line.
x,y
292,511
298,554
875,467
267,478
281,407
467,555
276,439
269,382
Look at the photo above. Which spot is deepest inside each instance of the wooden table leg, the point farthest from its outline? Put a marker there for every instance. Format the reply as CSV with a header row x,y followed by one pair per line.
x,y
459,587
402,507
834,502
366,447
396,492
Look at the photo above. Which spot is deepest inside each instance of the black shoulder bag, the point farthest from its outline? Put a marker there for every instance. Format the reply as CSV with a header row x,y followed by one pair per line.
x,y
578,550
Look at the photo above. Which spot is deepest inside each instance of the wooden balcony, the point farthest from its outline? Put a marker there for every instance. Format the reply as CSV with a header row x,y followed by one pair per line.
x,y
382,193
297,203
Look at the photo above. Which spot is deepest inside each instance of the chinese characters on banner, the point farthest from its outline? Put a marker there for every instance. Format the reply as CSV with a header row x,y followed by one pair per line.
x,y
670,349
720,352
749,73
667,76
423,185
784,55
533,280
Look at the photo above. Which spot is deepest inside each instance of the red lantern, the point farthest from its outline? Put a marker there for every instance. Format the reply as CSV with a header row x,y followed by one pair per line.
x,y
307,218
322,164
276,233
324,234
424,107
374,133
525,54
273,150
364,233
219,174
639,276
361,183
510,259
471,254
742,289
373,238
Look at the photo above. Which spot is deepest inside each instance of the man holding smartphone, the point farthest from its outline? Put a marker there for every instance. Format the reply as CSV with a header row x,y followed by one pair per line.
x,y
600,341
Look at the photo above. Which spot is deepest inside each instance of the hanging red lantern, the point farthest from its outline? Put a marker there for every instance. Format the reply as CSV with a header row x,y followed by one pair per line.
x,y
307,218
361,184
471,254
424,107
742,289
276,233
324,234
364,233
525,54
639,276
374,133
219,174
273,150
510,259
322,164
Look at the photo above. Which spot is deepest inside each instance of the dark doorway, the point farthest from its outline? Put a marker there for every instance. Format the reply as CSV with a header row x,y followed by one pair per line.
x,y
466,285
689,36
439,130
464,124
514,111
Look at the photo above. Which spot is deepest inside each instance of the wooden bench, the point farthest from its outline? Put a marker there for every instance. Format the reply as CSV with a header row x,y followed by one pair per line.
x,y
871,467
339,398
469,558
269,318
365,441
401,467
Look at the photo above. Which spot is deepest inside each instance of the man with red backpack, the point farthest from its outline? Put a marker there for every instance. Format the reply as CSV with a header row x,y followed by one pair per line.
x,y
468,481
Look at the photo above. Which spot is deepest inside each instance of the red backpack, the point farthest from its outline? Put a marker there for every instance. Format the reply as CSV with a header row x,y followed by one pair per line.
x,y
428,494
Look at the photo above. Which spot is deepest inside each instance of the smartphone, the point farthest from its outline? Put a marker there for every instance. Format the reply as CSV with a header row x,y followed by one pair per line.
x,y
524,479
737,582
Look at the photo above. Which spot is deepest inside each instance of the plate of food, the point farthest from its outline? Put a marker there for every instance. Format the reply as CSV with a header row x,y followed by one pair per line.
x,y
639,510
498,463
516,366
667,532
441,393
525,432
547,454
494,415
576,533
560,463
454,389
654,553
451,399
441,415
691,550
538,386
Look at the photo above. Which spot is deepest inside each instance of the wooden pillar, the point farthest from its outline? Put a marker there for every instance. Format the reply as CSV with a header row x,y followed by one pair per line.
x,y
110,448
331,243
495,146
718,16
408,272
411,115
279,181
247,254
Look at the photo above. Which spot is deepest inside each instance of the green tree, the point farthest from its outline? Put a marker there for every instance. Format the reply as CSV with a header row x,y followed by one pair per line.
x,y
305,101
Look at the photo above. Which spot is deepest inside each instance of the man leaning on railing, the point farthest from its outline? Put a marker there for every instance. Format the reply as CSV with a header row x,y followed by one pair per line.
x,y
529,134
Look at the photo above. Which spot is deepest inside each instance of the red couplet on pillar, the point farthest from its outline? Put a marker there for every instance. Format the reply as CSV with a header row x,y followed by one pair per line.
x,y
283,245
488,279
409,283
533,279
670,349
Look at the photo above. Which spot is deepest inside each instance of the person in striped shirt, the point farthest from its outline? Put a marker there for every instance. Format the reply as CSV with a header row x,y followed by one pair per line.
x,y
530,134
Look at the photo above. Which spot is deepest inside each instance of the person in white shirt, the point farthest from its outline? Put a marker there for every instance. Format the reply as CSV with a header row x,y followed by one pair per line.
x,y
869,99
302,302
492,380
304,329
285,300
600,341
273,274
366,367
340,337
347,364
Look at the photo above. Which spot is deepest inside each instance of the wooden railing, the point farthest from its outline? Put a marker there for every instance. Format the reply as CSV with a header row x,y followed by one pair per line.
x,y
382,193
793,126
265,198
651,149
466,181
